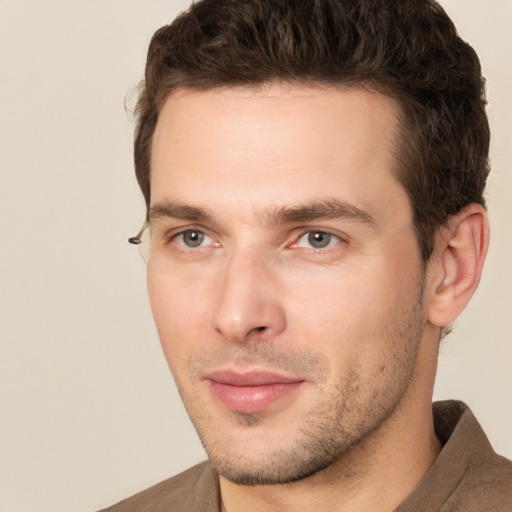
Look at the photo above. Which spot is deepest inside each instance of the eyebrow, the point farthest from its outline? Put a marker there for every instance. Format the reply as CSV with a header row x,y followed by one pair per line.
x,y
179,211
316,210
323,209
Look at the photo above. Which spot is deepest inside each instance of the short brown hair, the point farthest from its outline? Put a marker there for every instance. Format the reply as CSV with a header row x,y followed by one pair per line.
x,y
407,49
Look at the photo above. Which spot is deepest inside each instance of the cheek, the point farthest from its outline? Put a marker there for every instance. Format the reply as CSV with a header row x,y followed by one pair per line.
x,y
180,313
337,301
350,311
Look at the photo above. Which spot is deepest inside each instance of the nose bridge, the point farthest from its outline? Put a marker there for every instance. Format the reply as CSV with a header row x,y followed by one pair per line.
x,y
247,301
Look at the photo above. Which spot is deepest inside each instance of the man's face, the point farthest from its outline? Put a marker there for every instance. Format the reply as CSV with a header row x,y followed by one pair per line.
x,y
285,277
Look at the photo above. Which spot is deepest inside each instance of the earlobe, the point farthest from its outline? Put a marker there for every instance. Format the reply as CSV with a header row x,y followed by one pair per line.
x,y
460,254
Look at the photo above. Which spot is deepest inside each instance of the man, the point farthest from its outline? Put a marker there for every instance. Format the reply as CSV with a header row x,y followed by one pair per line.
x,y
313,173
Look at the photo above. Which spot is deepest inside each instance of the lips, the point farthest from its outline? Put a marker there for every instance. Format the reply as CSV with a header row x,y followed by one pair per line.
x,y
251,392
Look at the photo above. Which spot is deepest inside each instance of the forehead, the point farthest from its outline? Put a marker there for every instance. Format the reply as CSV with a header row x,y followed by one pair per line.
x,y
274,145
276,109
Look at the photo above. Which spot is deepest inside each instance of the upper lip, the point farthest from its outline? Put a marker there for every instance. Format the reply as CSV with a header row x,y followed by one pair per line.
x,y
250,378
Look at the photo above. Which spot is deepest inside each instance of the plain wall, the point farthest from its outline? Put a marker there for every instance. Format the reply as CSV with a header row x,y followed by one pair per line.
x,y
88,409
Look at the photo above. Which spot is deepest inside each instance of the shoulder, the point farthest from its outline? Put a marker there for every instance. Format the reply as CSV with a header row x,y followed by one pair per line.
x,y
486,477
194,489
486,486
468,475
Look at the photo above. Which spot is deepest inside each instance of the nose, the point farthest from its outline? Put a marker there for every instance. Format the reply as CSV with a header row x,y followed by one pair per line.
x,y
248,303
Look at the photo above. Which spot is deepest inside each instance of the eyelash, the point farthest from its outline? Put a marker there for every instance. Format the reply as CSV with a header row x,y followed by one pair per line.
x,y
331,236
182,233
294,245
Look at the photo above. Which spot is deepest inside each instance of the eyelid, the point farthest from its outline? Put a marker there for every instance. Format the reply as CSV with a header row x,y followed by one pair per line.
x,y
169,230
208,242
182,232
341,238
169,234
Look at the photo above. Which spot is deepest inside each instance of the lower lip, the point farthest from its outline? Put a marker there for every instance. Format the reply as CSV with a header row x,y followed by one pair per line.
x,y
252,399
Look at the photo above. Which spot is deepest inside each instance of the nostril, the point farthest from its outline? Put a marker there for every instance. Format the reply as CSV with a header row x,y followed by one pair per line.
x,y
257,331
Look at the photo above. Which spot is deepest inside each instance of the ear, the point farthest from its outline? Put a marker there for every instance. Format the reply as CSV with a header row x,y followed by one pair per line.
x,y
456,265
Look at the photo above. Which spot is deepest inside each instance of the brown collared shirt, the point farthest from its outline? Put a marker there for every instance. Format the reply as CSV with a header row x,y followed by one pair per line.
x,y
467,476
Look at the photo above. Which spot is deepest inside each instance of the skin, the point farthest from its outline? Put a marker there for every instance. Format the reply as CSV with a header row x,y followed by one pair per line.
x,y
258,174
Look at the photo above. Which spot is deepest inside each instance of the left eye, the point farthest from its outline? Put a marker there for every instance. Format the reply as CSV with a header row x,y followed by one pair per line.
x,y
317,240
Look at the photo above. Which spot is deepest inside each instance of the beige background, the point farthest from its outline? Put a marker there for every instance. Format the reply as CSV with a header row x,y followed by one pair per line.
x,y
88,411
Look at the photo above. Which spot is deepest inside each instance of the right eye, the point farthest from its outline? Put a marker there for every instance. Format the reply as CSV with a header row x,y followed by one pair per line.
x,y
193,238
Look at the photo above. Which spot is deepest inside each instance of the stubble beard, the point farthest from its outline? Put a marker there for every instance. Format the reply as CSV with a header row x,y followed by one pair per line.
x,y
355,408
